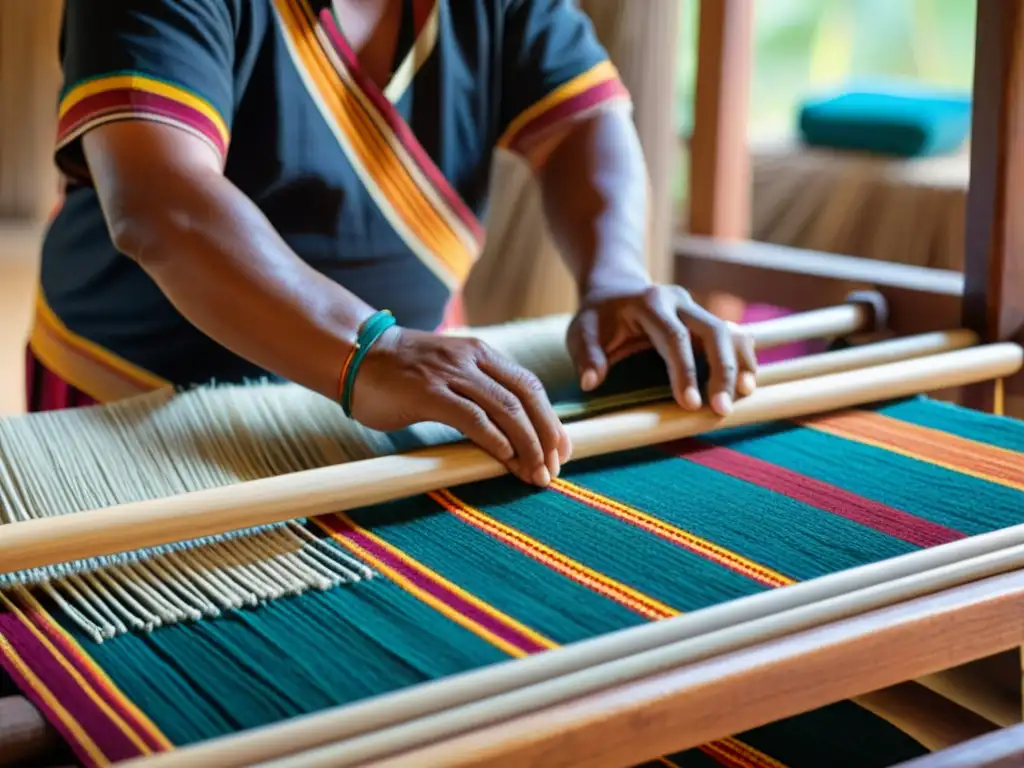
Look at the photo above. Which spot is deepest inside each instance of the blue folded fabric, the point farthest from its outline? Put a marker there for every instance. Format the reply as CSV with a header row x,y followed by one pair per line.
x,y
902,121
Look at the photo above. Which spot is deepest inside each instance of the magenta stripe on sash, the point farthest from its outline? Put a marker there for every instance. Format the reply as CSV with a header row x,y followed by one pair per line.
x,y
815,493
400,128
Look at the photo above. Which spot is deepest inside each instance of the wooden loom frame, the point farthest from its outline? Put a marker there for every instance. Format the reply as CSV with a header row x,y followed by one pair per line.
x,y
834,656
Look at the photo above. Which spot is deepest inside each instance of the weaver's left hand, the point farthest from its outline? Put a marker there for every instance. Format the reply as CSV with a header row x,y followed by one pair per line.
x,y
608,329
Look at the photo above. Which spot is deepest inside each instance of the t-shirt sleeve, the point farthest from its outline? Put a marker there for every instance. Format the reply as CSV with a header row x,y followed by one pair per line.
x,y
169,61
554,72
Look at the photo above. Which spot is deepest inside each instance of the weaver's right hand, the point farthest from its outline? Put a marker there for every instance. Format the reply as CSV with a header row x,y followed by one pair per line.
x,y
411,376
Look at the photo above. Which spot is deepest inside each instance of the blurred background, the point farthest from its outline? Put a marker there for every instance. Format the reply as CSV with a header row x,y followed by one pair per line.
x,y
906,209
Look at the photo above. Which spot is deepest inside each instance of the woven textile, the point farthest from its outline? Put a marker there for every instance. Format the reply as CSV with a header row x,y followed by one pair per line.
x,y
482,573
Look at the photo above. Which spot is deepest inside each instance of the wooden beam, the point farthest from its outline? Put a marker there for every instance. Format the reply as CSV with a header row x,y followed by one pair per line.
x,y
994,250
29,81
719,197
917,299
1002,749
735,692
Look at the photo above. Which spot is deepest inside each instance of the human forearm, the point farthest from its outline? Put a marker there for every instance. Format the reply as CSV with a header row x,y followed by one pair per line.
x,y
595,197
224,267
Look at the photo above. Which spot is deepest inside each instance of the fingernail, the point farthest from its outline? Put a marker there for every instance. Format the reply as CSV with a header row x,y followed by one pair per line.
x,y
554,464
747,383
691,397
722,404
542,477
588,380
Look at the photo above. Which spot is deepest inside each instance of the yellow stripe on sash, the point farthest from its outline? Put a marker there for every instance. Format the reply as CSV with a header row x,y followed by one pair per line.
x,y
404,198
102,375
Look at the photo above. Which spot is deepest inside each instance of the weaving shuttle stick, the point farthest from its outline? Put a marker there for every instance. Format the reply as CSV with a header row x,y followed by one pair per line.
x,y
425,699
145,524
829,322
698,637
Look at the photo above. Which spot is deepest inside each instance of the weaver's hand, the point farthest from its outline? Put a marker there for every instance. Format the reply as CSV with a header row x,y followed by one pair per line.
x,y
411,376
608,329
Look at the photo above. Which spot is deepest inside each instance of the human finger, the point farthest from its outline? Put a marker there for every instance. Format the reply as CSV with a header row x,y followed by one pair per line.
x,y
469,418
530,392
723,368
585,348
672,341
508,414
746,354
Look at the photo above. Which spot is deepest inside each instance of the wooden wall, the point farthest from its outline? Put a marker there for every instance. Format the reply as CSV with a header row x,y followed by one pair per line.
x,y
29,80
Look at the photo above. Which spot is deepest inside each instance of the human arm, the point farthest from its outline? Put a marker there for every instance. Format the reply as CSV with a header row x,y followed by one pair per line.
x,y
578,137
157,170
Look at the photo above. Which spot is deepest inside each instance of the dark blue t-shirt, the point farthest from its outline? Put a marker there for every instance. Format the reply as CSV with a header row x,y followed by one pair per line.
x,y
380,189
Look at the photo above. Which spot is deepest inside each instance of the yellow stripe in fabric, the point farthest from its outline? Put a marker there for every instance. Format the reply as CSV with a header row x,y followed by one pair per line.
x,y
80,681
605,70
140,82
373,157
85,365
53,703
942,449
429,599
86,660
606,586
725,557
737,754
600,583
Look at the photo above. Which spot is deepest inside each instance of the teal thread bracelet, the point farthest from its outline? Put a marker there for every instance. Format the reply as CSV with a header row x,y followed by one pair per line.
x,y
369,332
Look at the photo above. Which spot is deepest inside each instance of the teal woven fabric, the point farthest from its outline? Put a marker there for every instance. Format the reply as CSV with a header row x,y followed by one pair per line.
x,y
617,542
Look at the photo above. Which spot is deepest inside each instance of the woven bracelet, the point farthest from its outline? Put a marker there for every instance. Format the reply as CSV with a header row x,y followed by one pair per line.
x,y
369,332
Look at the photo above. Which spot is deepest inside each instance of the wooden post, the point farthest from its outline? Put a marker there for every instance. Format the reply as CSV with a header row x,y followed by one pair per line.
x,y
719,189
29,80
719,157
994,250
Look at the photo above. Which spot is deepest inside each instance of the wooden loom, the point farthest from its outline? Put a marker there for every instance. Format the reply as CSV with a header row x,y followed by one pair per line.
x,y
681,682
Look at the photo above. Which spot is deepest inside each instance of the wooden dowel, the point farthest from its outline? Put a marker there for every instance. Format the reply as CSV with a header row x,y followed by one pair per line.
x,y
463,723
151,523
831,322
853,358
344,722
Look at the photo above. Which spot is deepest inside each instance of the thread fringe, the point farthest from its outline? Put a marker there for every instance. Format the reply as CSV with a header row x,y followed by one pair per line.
x,y
165,444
